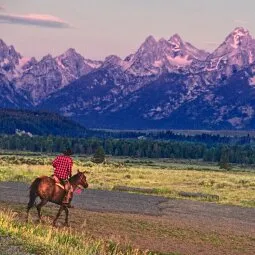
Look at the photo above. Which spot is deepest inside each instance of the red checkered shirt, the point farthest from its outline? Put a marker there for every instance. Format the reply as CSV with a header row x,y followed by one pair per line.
x,y
63,167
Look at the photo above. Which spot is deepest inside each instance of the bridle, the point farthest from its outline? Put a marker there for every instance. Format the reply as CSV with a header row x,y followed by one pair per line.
x,y
80,180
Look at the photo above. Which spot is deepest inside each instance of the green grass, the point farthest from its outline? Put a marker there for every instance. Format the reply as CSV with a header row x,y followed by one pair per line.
x,y
164,177
103,231
115,233
43,239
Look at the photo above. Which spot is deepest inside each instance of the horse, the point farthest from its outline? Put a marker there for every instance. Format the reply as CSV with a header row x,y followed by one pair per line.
x,y
46,188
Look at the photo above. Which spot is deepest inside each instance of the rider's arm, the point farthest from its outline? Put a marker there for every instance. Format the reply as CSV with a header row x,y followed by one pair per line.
x,y
55,162
70,168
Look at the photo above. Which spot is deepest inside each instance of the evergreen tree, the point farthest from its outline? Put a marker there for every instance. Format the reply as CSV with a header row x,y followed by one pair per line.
x,y
99,156
224,159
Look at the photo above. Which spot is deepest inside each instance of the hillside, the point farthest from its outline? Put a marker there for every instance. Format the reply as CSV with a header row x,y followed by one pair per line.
x,y
38,123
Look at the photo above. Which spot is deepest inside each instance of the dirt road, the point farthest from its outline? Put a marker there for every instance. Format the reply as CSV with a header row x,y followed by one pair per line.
x,y
114,201
227,223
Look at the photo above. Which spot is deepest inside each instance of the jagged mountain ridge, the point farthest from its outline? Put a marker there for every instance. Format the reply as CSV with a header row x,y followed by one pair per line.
x,y
38,79
150,88
51,74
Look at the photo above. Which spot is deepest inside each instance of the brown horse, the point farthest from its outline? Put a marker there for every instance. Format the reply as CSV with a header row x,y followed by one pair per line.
x,y
45,188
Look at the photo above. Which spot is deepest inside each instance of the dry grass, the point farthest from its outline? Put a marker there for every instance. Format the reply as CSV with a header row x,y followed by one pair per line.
x,y
236,188
113,233
109,233
44,240
167,179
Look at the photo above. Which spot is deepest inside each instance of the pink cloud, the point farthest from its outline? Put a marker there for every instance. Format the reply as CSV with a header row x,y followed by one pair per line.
x,y
43,20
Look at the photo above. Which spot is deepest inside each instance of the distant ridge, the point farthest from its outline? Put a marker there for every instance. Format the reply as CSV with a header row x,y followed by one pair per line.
x,y
38,123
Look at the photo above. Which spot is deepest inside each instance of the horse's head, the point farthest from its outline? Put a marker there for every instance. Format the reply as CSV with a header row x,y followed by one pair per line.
x,y
81,179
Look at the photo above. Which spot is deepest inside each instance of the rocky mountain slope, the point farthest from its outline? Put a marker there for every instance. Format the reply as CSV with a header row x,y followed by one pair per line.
x,y
164,84
10,97
38,79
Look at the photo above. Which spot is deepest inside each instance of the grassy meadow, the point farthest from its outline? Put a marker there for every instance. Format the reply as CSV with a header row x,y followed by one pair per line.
x,y
119,234
162,177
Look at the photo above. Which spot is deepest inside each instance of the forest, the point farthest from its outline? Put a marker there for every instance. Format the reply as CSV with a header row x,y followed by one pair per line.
x,y
141,148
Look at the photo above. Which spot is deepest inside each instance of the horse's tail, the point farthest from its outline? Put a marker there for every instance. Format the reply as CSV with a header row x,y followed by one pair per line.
x,y
33,192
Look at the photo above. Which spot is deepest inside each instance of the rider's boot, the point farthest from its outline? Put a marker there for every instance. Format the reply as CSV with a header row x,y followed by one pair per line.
x,y
67,199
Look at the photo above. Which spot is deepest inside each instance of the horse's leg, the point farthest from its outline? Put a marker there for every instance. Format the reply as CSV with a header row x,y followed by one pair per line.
x,y
66,219
58,214
32,195
39,207
29,206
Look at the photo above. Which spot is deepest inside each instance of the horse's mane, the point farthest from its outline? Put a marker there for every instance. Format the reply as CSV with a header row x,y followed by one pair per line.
x,y
75,177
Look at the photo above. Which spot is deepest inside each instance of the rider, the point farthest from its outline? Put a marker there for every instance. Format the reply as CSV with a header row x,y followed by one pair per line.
x,y
62,172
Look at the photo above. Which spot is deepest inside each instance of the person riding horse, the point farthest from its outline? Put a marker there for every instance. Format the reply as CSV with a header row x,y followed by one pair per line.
x,y
62,172
46,189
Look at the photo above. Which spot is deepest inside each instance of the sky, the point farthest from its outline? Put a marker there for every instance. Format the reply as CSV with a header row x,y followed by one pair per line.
x,y
98,28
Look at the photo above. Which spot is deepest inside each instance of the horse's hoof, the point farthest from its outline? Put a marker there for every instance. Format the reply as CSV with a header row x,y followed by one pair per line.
x,y
67,225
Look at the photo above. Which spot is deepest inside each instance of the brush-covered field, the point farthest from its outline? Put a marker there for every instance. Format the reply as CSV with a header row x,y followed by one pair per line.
x,y
160,177
106,233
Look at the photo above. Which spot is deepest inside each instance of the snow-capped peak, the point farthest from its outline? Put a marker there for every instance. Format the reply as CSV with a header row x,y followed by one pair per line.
x,y
154,57
47,57
176,42
114,61
236,52
150,40
71,52
9,60
73,55
8,52
68,56
241,31
2,44
149,44
238,36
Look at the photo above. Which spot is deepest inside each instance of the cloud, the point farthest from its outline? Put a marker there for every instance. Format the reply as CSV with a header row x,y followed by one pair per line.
x,y
239,21
2,8
42,20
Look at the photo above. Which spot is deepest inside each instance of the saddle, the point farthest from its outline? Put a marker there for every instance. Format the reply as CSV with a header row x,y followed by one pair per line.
x,y
58,182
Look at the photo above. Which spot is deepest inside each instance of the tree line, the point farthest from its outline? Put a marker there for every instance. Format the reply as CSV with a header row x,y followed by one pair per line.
x,y
242,154
169,135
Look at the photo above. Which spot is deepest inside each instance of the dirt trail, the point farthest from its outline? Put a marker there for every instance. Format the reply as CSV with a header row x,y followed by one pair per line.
x,y
200,227
114,201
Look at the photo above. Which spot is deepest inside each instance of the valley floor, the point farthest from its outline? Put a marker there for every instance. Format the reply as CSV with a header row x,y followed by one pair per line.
x,y
149,222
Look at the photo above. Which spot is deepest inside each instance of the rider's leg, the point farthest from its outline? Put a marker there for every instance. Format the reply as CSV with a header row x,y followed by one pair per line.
x,y
69,193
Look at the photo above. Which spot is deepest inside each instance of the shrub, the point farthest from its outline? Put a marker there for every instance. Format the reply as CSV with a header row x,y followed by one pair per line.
x,y
99,156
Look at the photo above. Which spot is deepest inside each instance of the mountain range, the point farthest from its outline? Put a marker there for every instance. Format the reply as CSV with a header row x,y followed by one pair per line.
x,y
165,84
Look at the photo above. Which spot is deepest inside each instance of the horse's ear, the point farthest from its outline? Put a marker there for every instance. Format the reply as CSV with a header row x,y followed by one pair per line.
x,y
86,172
78,171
